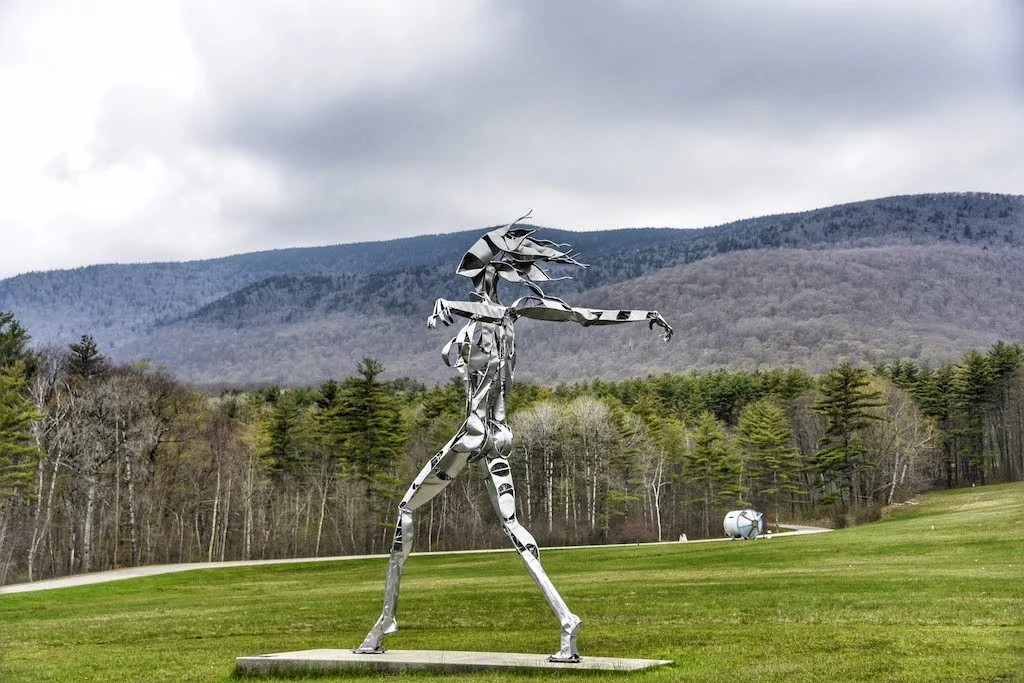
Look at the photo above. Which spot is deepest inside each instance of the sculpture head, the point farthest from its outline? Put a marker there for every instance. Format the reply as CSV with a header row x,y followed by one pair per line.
x,y
512,254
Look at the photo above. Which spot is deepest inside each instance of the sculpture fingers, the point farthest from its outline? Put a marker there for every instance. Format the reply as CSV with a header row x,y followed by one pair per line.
x,y
444,318
441,313
656,319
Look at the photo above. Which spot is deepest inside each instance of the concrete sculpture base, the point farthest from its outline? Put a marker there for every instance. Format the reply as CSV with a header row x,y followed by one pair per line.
x,y
424,660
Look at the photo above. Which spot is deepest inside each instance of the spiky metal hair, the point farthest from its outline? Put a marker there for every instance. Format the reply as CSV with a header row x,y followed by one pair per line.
x,y
514,254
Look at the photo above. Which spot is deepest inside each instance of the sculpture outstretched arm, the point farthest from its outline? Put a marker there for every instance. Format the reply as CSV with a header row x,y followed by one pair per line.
x,y
444,309
550,308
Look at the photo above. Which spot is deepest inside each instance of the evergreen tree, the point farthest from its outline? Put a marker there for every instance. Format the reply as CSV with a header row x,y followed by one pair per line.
x,y
86,361
18,452
972,383
936,398
773,462
621,483
327,394
847,402
13,340
366,424
284,431
905,374
713,465
1003,359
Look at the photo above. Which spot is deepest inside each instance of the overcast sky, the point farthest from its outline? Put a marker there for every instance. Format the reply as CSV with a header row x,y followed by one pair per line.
x,y
142,130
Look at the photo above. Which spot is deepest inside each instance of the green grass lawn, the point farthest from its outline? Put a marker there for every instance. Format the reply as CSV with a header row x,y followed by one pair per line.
x,y
933,593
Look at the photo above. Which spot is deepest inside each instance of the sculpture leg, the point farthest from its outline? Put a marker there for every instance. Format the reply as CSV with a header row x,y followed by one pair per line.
x,y
498,476
431,480
387,623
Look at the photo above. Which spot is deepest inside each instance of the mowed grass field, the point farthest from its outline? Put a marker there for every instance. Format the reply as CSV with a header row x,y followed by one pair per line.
x,y
933,593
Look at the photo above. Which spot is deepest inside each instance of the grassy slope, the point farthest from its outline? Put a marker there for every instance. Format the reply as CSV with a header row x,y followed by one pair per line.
x,y
933,593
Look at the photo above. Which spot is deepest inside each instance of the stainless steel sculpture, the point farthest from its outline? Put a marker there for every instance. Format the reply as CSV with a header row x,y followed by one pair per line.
x,y
483,353
745,524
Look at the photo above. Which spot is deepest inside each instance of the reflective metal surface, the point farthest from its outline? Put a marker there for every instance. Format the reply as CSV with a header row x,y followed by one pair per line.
x,y
483,353
746,524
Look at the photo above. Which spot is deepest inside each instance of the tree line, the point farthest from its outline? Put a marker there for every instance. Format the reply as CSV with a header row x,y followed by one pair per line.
x,y
106,465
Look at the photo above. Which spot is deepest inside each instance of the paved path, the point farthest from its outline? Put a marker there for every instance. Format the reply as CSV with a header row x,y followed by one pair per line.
x,y
152,570
799,529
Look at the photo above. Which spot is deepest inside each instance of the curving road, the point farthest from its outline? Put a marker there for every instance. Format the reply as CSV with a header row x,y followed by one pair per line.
x,y
152,570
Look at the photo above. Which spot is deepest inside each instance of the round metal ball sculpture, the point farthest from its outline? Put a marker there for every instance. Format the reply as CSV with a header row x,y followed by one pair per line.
x,y
746,524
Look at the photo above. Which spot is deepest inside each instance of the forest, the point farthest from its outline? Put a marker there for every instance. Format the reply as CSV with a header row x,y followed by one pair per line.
x,y
106,464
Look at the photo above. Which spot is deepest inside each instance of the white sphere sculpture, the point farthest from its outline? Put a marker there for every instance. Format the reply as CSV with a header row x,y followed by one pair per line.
x,y
745,523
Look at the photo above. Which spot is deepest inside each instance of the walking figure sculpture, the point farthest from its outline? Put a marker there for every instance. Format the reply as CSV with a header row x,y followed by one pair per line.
x,y
483,353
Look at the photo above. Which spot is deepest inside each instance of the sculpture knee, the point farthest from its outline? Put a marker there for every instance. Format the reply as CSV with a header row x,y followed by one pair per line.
x,y
402,542
501,438
522,539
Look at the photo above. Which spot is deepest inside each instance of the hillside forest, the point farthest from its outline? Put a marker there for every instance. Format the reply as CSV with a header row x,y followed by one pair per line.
x,y
924,277
106,464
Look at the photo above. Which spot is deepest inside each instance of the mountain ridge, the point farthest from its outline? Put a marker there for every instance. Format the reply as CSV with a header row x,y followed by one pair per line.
x,y
128,307
744,310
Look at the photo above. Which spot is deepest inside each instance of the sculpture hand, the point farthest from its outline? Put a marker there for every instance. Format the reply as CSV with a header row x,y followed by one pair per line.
x,y
655,319
442,313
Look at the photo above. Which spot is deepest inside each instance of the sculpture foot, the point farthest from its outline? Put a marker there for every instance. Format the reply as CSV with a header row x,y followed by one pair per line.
x,y
372,643
568,654
571,659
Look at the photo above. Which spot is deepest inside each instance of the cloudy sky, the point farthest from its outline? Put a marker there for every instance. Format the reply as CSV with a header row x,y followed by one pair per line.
x,y
141,130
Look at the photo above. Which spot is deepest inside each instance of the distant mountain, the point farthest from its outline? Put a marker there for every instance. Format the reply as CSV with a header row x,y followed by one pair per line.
x,y
924,276
116,303
807,308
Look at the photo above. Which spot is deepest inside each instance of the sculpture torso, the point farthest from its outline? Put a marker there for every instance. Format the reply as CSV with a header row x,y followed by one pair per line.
x,y
484,357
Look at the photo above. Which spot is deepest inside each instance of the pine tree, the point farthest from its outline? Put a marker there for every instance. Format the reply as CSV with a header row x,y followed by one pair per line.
x,y
367,428
86,361
713,465
847,402
13,340
1004,361
905,374
972,383
327,394
284,431
621,484
936,397
18,451
773,462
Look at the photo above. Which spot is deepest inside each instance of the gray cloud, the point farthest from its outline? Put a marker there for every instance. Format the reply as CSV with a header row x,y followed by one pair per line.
x,y
557,68
770,66
869,57
282,124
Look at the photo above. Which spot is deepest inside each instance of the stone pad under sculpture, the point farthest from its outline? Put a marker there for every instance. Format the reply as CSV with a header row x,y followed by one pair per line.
x,y
394,661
